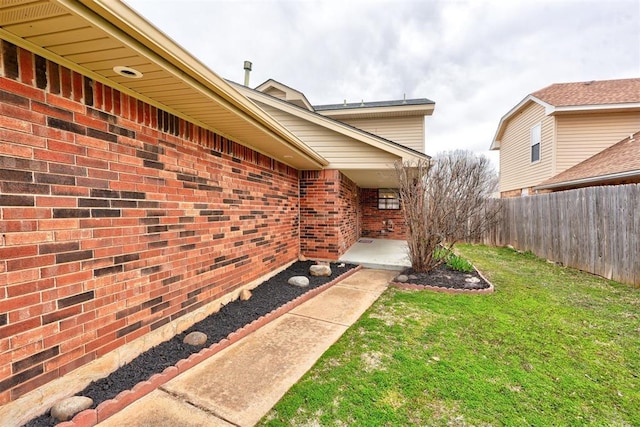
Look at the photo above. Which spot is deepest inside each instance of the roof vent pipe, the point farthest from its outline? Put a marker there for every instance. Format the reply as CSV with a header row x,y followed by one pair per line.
x,y
247,71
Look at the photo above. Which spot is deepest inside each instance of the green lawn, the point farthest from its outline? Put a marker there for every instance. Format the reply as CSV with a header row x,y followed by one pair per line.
x,y
551,347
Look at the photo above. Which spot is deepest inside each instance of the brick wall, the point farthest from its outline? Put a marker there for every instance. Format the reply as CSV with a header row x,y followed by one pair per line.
x,y
511,193
349,212
518,193
329,214
374,220
117,218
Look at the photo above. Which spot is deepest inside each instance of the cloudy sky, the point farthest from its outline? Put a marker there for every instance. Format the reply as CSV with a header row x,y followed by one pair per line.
x,y
475,59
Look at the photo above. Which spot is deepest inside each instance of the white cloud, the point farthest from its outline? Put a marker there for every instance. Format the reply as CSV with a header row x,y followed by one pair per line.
x,y
475,59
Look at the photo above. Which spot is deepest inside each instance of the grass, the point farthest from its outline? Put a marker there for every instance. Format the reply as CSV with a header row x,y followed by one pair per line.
x,y
552,346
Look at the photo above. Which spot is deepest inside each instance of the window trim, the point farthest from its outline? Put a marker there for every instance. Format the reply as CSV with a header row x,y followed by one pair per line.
x,y
535,139
388,203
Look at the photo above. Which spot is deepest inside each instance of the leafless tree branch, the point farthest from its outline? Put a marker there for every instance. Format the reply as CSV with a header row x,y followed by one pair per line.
x,y
445,200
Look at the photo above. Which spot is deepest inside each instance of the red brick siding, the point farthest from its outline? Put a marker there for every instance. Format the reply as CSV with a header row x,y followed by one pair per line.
x,y
529,190
329,214
118,217
350,214
374,219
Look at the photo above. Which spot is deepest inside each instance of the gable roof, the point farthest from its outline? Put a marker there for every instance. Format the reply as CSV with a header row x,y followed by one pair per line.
x,y
619,162
279,90
91,37
558,98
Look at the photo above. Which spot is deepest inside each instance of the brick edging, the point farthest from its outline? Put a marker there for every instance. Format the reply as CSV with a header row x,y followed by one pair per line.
x,y
91,417
413,286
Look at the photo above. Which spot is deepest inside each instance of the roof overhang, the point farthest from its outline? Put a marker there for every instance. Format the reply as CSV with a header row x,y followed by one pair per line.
x,y
373,178
91,37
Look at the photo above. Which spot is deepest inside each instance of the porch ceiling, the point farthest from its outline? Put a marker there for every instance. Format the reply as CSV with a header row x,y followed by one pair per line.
x,y
372,178
91,37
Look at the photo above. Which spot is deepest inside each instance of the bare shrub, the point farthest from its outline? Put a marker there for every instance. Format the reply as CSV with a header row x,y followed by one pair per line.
x,y
444,200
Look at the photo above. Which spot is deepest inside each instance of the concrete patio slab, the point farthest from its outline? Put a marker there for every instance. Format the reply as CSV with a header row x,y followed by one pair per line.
x,y
383,254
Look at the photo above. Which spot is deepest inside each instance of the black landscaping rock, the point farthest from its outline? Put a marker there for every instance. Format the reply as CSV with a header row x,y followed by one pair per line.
x,y
444,276
267,297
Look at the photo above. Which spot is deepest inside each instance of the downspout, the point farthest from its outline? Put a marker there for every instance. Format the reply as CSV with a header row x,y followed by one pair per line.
x,y
300,254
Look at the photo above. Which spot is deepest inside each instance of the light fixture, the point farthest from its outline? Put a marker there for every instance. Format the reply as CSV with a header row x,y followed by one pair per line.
x,y
129,72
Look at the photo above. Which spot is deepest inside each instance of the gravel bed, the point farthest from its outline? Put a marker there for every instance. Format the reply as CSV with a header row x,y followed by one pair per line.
x,y
444,276
265,298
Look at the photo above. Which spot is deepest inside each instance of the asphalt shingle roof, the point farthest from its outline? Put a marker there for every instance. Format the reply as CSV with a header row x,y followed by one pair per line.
x,y
619,158
591,93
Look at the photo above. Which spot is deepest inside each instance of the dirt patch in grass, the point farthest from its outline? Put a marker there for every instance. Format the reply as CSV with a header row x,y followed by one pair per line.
x,y
373,361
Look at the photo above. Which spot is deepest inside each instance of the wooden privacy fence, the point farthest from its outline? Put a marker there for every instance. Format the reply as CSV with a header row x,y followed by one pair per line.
x,y
595,229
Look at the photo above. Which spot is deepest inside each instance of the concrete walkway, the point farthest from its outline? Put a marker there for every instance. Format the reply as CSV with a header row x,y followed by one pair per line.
x,y
240,384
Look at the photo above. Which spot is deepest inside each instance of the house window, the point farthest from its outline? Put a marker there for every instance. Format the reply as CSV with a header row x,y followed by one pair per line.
x,y
388,199
536,136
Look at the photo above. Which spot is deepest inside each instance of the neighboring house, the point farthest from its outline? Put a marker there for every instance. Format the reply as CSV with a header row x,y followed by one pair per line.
x,y
618,164
559,126
359,157
139,190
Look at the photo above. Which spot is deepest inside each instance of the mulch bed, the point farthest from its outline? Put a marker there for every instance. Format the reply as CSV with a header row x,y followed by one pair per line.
x,y
268,296
444,278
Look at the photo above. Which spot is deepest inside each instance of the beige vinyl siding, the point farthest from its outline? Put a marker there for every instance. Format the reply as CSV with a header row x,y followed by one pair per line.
x,y
340,150
516,169
581,136
408,131
277,93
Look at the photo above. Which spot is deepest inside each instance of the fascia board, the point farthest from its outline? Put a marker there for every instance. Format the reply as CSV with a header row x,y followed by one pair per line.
x,y
597,107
